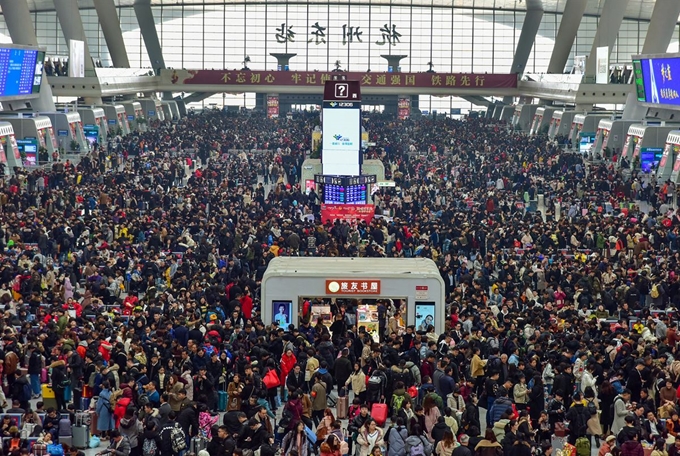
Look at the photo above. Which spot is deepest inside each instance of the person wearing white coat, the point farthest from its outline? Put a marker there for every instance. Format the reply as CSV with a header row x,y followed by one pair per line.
x,y
588,380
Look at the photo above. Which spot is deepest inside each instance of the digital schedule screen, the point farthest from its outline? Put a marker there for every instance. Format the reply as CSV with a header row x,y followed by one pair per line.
x,y
334,194
356,194
17,71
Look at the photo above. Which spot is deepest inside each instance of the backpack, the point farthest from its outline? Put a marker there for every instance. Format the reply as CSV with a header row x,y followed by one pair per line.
x,y
583,446
418,450
26,392
397,403
149,448
655,291
178,439
592,408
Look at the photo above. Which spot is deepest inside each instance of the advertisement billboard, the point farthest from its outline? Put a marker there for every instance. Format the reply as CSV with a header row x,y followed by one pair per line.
x,y
404,108
341,139
76,59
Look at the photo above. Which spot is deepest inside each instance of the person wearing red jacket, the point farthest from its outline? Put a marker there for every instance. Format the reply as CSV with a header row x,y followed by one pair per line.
x,y
73,305
288,361
246,305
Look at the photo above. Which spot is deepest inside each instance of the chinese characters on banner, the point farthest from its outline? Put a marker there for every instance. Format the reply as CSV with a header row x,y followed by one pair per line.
x,y
347,212
272,106
309,78
318,34
352,286
404,108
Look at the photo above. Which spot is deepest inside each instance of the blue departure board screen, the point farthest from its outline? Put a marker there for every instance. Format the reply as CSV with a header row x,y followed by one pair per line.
x,y
356,194
17,71
333,194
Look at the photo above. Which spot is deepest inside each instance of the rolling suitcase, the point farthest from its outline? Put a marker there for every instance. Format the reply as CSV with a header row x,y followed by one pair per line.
x,y
49,399
379,413
81,431
65,427
342,405
197,444
222,401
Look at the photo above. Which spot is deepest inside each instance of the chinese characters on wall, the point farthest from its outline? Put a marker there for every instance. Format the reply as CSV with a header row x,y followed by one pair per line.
x,y
318,34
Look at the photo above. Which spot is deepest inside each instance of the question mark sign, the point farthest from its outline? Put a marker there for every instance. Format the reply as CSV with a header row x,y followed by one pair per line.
x,y
341,90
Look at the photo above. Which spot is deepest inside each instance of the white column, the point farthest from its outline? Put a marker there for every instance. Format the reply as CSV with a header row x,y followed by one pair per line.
x,y
108,18
607,31
72,27
571,20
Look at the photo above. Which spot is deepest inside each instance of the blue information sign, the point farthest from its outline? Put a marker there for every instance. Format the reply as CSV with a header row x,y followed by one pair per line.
x,y
661,79
17,71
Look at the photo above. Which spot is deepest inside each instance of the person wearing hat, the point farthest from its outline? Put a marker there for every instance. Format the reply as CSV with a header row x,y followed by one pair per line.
x,y
607,446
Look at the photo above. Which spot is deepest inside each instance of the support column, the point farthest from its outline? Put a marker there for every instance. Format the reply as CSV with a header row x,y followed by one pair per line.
x,y
147,27
108,18
659,35
282,60
571,20
527,36
393,61
72,27
20,26
607,32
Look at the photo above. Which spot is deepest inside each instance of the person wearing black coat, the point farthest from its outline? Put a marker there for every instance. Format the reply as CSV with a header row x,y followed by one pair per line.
x,y
218,444
296,379
536,399
520,448
564,382
438,430
235,422
470,417
150,433
188,419
343,367
255,436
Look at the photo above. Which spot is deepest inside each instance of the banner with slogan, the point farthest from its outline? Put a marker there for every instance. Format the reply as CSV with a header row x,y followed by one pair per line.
x,y
404,108
348,212
235,78
272,106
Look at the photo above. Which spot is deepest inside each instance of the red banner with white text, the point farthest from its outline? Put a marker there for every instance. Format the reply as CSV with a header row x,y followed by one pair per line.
x,y
348,212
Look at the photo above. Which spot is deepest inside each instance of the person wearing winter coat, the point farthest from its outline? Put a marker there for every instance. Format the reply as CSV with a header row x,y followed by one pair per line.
x,y
370,435
632,448
396,439
119,445
499,428
296,439
417,437
439,429
621,403
489,445
501,405
131,428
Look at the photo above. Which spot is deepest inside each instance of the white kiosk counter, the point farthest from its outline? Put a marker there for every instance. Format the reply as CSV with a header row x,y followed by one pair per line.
x,y
583,129
507,112
171,109
40,128
94,117
116,118
69,130
133,110
611,134
542,118
9,150
152,108
290,282
645,146
523,116
669,166
560,123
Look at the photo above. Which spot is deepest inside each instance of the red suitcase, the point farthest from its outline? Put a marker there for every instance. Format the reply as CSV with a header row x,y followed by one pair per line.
x,y
379,413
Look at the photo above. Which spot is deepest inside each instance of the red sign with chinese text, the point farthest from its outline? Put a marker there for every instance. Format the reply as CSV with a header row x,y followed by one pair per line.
x,y
404,108
347,212
352,286
312,78
273,106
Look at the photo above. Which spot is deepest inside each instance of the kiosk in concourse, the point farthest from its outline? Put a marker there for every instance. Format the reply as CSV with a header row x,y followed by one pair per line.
x,y
94,117
583,129
152,108
39,128
135,115
69,131
9,150
297,288
611,135
669,166
560,123
117,119
645,145
542,119
507,112
170,109
523,116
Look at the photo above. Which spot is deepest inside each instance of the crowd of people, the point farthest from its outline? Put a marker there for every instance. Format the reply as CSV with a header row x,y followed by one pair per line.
x,y
130,284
